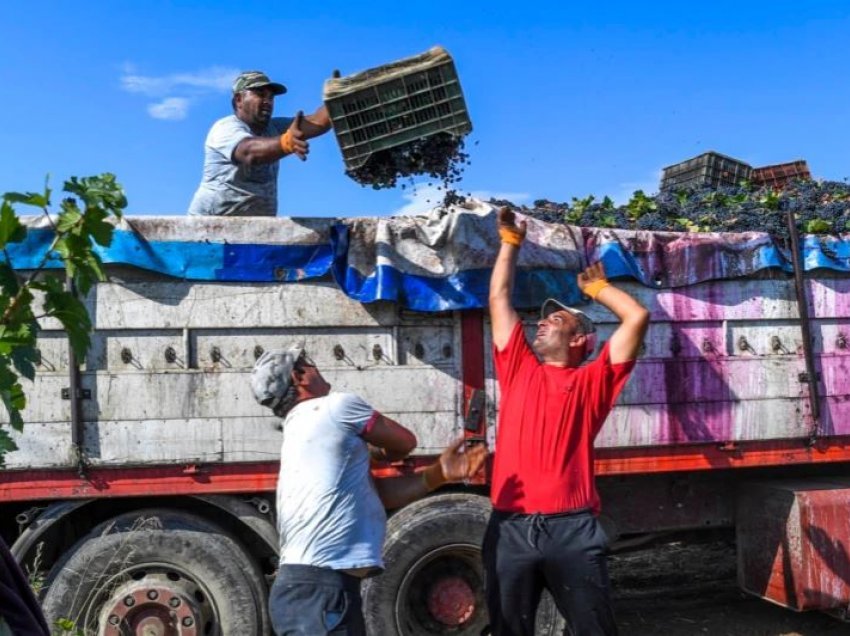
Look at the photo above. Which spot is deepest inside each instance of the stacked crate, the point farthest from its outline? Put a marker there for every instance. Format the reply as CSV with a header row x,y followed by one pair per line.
x,y
710,169
780,174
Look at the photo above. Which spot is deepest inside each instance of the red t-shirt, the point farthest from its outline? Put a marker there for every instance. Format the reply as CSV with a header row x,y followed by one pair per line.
x,y
548,419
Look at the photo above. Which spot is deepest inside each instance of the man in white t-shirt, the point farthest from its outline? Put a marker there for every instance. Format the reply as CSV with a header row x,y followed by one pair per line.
x,y
242,150
330,511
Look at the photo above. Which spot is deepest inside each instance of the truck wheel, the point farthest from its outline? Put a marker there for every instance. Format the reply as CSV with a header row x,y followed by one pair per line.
x,y
434,577
161,572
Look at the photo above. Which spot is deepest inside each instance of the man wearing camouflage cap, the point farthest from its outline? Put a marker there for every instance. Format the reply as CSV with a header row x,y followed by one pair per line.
x,y
543,532
330,511
242,150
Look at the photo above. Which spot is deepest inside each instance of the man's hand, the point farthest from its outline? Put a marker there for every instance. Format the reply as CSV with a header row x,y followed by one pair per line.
x,y
292,142
509,228
455,464
592,280
624,344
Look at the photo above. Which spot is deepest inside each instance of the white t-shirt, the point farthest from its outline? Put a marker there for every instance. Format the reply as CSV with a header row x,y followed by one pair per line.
x,y
230,188
329,513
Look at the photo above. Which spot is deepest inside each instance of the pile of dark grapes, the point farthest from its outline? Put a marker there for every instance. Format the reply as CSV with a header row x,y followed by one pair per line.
x,y
439,156
821,207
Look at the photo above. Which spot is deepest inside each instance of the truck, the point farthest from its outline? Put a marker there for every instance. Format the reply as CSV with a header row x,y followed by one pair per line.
x,y
141,497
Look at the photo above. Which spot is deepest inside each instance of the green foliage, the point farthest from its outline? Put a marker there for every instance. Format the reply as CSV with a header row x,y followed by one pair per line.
x,y
11,228
76,231
639,205
583,204
687,225
607,204
577,209
818,226
67,627
739,199
770,199
716,198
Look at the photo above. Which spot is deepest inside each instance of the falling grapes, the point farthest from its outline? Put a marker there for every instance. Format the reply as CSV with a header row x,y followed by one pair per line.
x,y
439,156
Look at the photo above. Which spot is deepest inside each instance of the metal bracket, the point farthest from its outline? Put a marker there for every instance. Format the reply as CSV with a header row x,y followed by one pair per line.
x,y
473,411
84,394
804,377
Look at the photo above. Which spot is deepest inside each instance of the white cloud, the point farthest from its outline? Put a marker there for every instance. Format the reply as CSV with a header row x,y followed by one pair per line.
x,y
176,91
216,79
624,191
170,108
421,199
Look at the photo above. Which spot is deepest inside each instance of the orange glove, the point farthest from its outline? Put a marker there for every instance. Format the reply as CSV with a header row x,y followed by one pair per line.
x,y
292,141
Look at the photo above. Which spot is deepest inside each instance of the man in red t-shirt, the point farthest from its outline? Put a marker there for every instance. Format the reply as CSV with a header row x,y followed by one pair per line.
x,y
543,532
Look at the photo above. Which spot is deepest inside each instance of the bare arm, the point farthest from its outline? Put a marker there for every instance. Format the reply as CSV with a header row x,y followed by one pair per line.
x,y
625,342
254,150
503,316
316,124
392,438
452,465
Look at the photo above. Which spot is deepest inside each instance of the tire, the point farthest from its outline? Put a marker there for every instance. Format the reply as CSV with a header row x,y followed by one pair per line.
x,y
155,568
434,577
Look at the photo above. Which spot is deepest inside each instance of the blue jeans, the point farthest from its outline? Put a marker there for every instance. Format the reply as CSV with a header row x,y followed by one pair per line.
x,y
311,601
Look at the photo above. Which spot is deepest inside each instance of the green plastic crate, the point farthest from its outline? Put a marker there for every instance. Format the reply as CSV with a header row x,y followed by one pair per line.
x,y
708,169
394,104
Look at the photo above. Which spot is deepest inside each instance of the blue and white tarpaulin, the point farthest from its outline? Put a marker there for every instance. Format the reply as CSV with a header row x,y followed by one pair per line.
x,y
435,262
203,248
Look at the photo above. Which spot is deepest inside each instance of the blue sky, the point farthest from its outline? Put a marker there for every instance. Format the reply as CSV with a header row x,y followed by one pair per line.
x,y
566,98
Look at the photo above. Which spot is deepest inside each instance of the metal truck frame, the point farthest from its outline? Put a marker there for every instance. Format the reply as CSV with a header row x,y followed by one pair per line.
x,y
143,490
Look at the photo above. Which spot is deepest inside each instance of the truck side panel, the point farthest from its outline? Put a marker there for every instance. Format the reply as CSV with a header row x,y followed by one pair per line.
x,y
168,372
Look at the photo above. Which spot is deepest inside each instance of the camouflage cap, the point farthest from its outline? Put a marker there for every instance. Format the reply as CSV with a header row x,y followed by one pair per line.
x,y
256,79
585,324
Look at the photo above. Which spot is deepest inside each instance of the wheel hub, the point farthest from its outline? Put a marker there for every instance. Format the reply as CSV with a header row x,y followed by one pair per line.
x,y
441,593
451,600
150,608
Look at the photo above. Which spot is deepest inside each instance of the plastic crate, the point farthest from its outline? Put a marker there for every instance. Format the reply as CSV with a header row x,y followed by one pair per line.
x,y
710,169
778,175
394,104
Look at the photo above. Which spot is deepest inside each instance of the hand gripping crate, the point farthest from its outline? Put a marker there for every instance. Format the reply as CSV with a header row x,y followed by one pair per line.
x,y
778,175
710,169
395,104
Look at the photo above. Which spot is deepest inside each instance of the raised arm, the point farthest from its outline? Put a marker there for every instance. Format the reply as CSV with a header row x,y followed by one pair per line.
x,y
503,316
626,340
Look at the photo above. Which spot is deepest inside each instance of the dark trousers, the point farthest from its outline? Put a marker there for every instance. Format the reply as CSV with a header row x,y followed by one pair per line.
x,y
565,553
311,601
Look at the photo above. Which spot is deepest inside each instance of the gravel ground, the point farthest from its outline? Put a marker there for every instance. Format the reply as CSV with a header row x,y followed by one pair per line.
x,y
678,590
